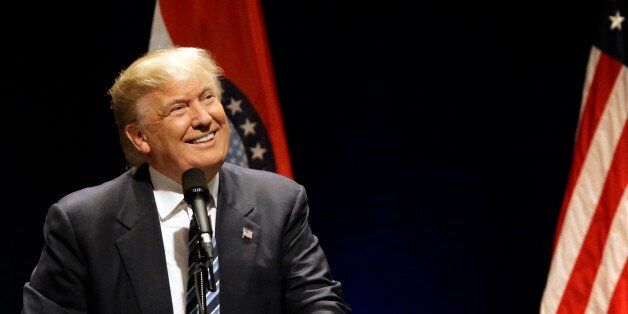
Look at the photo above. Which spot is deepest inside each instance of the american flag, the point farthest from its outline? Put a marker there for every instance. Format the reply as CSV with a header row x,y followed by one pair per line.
x,y
589,269
247,233
234,32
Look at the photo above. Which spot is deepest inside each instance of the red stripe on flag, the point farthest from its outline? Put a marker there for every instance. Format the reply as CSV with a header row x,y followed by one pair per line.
x,y
234,32
606,72
619,302
576,295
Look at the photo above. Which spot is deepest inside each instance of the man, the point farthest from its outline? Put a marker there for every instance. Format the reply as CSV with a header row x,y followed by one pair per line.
x,y
122,246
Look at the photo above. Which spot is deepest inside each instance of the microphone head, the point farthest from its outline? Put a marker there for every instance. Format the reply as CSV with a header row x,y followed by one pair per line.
x,y
194,183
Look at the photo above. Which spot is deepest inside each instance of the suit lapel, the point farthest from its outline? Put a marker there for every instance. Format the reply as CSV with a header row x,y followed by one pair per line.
x,y
237,239
141,248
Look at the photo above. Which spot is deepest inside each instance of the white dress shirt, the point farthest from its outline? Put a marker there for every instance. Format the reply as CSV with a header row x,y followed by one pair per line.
x,y
174,218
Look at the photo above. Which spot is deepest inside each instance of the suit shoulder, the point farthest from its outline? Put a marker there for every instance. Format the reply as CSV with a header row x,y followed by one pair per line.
x,y
106,191
236,172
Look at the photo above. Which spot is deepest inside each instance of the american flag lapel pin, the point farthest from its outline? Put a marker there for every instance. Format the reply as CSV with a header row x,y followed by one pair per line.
x,y
247,233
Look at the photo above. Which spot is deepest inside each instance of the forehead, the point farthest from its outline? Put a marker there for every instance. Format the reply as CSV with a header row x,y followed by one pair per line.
x,y
177,90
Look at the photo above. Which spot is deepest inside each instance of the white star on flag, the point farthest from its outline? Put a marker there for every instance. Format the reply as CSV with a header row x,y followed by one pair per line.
x,y
235,106
258,151
248,127
616,20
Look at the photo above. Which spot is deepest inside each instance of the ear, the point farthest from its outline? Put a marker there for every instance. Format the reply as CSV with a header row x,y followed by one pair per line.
x,y
135,134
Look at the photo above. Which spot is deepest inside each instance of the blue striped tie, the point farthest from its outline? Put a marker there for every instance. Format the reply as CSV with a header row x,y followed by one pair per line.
x,y
211,297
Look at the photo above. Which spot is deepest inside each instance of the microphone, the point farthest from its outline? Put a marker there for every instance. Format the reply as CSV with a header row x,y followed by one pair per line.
x,y
196,194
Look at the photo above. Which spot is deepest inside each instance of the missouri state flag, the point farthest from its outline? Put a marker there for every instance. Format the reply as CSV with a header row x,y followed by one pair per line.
x,y
234,32
589,269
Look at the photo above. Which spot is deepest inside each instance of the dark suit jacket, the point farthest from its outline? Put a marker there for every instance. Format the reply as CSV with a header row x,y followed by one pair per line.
x,y
103,250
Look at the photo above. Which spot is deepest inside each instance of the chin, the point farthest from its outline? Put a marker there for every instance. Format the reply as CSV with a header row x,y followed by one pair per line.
x,y
210,162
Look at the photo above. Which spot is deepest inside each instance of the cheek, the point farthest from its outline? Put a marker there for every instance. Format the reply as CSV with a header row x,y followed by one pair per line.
x,y
219,115
174,126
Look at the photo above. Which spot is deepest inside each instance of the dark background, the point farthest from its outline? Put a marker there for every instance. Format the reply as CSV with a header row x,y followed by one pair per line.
x,y
434,138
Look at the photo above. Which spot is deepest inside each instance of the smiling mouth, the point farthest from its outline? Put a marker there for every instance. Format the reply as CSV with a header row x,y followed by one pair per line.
x,y
205,138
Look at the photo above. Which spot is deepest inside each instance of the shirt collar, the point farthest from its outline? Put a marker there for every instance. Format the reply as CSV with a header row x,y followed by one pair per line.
x,y
169,194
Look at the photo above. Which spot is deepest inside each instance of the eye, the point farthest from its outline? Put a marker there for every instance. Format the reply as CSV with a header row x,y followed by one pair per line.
x,y
178,109
209,98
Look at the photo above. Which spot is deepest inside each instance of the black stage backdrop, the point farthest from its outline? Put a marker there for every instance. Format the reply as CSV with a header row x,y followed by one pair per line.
x,y
434,138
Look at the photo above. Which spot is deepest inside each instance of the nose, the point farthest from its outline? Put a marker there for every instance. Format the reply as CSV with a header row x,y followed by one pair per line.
x,y
200,115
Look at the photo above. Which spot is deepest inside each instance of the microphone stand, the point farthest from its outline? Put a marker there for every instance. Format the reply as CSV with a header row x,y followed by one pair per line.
x,y
204,278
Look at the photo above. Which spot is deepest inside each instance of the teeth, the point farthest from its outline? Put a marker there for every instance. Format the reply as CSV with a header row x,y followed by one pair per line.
x,y
204,138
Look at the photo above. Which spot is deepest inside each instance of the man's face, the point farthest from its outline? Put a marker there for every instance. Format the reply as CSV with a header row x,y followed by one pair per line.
x,y
180,126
